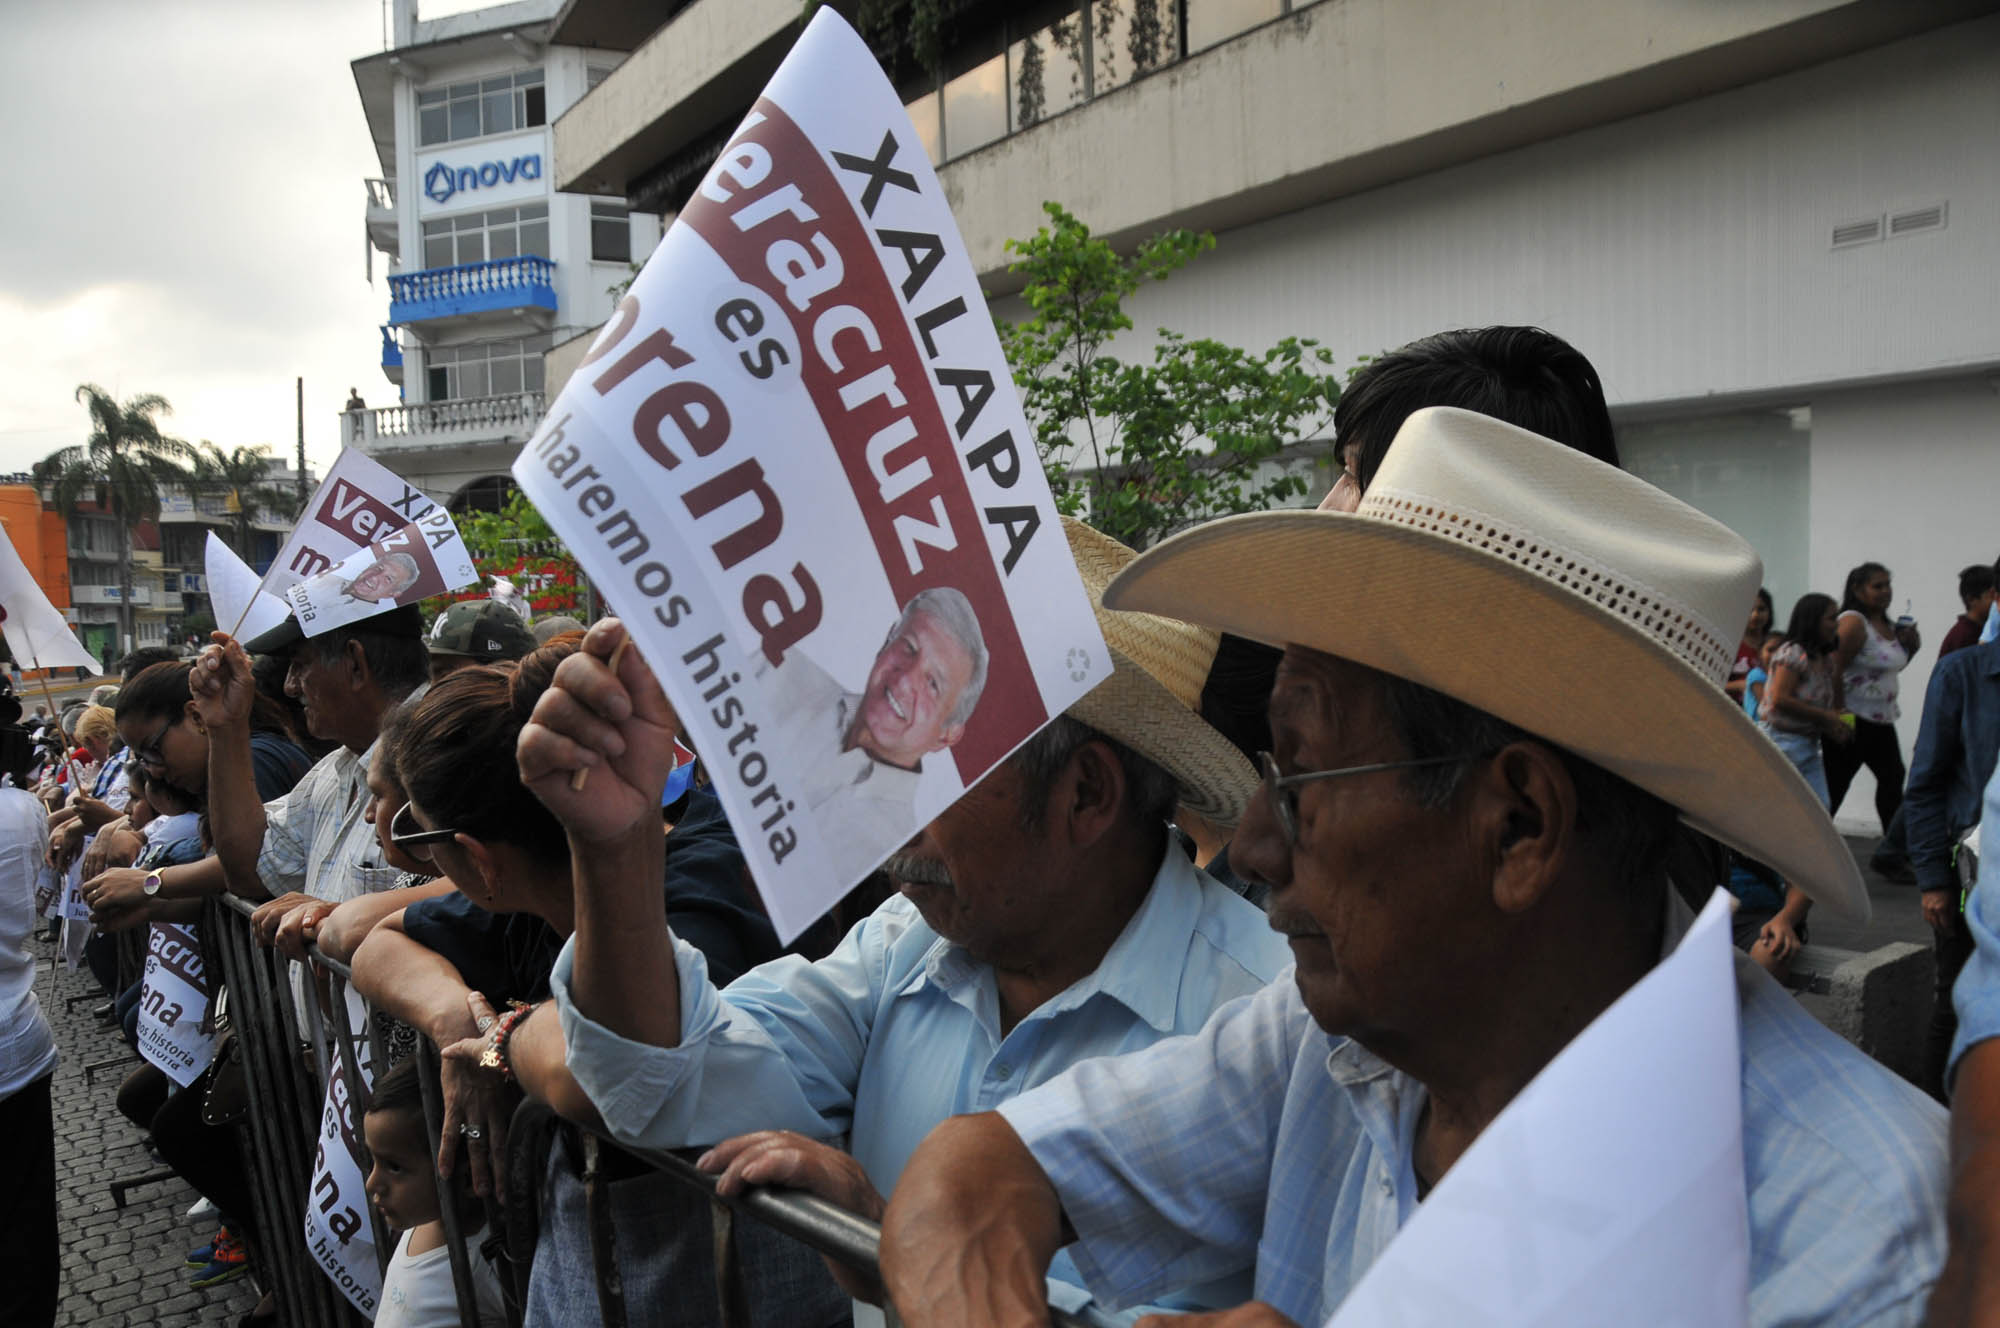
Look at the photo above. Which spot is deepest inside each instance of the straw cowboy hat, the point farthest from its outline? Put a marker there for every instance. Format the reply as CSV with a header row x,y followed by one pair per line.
x,y
1588,608
1149,702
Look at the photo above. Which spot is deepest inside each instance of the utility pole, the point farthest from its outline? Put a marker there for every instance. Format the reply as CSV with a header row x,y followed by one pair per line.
x,y
302,444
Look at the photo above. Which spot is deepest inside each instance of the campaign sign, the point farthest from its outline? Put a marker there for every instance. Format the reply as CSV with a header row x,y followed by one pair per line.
x,y
173,1004
795,464
410,563
359,503
338,1230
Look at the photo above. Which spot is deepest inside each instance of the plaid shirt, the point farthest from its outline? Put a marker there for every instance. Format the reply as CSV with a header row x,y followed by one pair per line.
x,y
1264,1142
316,839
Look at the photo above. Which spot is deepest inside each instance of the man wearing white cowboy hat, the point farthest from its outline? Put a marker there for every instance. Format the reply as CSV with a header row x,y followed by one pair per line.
x,y
1462,827
1044,918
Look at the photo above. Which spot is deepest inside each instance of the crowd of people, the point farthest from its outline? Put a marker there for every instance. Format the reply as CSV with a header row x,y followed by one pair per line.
x,y
1186,1006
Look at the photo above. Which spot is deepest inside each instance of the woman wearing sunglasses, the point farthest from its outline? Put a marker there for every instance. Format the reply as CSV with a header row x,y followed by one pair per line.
x,y
445,965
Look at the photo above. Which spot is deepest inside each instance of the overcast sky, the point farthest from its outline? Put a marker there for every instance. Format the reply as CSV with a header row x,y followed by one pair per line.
x,y
182,214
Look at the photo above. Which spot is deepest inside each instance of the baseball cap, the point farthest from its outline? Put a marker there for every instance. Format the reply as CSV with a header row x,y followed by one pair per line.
x,y
482,629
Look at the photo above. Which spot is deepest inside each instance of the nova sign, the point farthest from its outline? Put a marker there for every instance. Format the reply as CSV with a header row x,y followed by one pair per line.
x,y
443,181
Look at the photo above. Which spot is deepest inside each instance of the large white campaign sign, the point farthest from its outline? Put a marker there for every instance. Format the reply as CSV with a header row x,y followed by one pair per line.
x,y
359,503
795,464
173,1005
338,1229
1610,1190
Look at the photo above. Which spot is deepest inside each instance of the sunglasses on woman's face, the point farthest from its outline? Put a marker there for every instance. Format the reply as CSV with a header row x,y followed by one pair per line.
x,y
406,834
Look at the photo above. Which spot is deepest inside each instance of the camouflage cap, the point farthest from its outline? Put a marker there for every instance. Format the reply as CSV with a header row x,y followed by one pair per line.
x,y
481,629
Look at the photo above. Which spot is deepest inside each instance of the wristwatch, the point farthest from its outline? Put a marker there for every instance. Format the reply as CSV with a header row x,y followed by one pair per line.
x,y
152,883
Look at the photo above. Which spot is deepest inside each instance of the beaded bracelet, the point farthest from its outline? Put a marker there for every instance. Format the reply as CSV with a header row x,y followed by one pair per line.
x,y
495,1055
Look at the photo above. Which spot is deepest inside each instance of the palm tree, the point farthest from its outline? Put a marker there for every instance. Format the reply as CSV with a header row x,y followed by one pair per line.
x,y
244,474
125,461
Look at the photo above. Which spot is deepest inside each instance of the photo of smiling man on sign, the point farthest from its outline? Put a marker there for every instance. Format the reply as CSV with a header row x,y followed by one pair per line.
x,y
863,751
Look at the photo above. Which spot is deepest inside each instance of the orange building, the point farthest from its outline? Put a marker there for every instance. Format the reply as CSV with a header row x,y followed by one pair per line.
x,y
41,537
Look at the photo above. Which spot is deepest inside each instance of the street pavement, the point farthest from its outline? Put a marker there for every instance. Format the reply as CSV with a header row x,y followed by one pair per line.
x,y
1897,914
119,1267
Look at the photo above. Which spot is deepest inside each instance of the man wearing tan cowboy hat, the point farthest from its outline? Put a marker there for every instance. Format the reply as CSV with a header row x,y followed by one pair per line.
x,y
1462,827
1044,918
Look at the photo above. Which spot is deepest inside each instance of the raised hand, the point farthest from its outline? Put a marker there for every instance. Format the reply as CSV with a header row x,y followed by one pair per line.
x,y
617,726
222,684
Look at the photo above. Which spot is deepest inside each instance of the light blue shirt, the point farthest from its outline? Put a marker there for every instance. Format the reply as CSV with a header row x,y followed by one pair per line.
x,y
1977,995
898,1029
1265,1143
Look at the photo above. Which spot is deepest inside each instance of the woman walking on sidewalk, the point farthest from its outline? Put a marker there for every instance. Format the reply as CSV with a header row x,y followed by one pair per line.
x,y
1872,651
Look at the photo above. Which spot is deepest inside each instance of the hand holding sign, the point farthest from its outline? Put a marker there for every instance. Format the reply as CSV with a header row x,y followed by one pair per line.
x,y
616,724
222,684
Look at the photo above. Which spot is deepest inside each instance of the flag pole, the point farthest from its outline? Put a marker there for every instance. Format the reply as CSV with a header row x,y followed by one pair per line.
x,y
55,716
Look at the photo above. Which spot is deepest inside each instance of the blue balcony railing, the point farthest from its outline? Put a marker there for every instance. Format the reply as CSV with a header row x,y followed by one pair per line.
x,y
523,282
392,353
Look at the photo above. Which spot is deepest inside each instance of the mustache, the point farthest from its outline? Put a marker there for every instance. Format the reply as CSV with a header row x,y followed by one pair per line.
x,y
913,870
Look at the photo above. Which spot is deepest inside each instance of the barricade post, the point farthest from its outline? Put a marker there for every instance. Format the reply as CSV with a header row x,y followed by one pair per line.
x,y
266,1030
429,1070
360,1091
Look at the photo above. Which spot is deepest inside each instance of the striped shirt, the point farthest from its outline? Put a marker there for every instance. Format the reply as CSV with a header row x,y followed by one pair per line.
x,y
1264,1143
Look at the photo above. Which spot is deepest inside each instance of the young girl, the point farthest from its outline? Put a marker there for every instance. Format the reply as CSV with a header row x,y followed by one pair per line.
x,y
416,1287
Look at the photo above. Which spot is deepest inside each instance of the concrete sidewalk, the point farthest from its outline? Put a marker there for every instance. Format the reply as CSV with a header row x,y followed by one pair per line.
x,y
118,1266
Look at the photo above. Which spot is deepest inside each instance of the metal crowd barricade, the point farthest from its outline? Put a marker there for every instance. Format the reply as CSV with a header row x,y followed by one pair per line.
x,y
283,1127
283,1118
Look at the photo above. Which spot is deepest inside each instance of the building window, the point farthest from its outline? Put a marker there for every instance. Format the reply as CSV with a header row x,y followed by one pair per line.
x,y
474,237
486,369
496,105
488,493
610,232
1064,53
1212,21
593,75
1751,470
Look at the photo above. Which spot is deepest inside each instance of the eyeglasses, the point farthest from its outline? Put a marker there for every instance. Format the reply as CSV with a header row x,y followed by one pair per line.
x,y
1285,801
148,753
416,842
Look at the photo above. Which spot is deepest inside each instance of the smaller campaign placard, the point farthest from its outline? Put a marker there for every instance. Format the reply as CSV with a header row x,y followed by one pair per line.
x,y
410,563
173,1004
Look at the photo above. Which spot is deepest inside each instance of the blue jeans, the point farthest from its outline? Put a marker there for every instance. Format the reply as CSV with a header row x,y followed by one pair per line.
x,y
1804,752
666,1256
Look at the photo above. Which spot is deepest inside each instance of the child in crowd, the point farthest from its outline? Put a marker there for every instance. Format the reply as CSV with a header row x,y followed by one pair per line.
x,y
417,1288
1760,673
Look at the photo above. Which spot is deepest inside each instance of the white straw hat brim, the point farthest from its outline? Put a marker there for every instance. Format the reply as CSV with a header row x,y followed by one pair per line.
x,y
1485,631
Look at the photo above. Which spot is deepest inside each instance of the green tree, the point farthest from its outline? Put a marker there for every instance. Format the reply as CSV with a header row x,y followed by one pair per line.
x,y
1149,448
125,463
243,476
517,543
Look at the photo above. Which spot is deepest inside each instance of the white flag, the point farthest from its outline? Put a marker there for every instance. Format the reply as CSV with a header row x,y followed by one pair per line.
x,y
234,595
1610,1190
34,628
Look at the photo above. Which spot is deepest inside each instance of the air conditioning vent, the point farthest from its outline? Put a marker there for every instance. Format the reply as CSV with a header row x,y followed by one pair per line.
x,y
1927,218
1864,230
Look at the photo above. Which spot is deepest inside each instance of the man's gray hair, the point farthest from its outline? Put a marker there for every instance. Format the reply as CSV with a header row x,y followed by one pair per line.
x,y
952,612
1150,792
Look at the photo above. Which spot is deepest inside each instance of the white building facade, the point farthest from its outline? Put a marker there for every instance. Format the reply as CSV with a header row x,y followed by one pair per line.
x,y
1774,228
488,265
